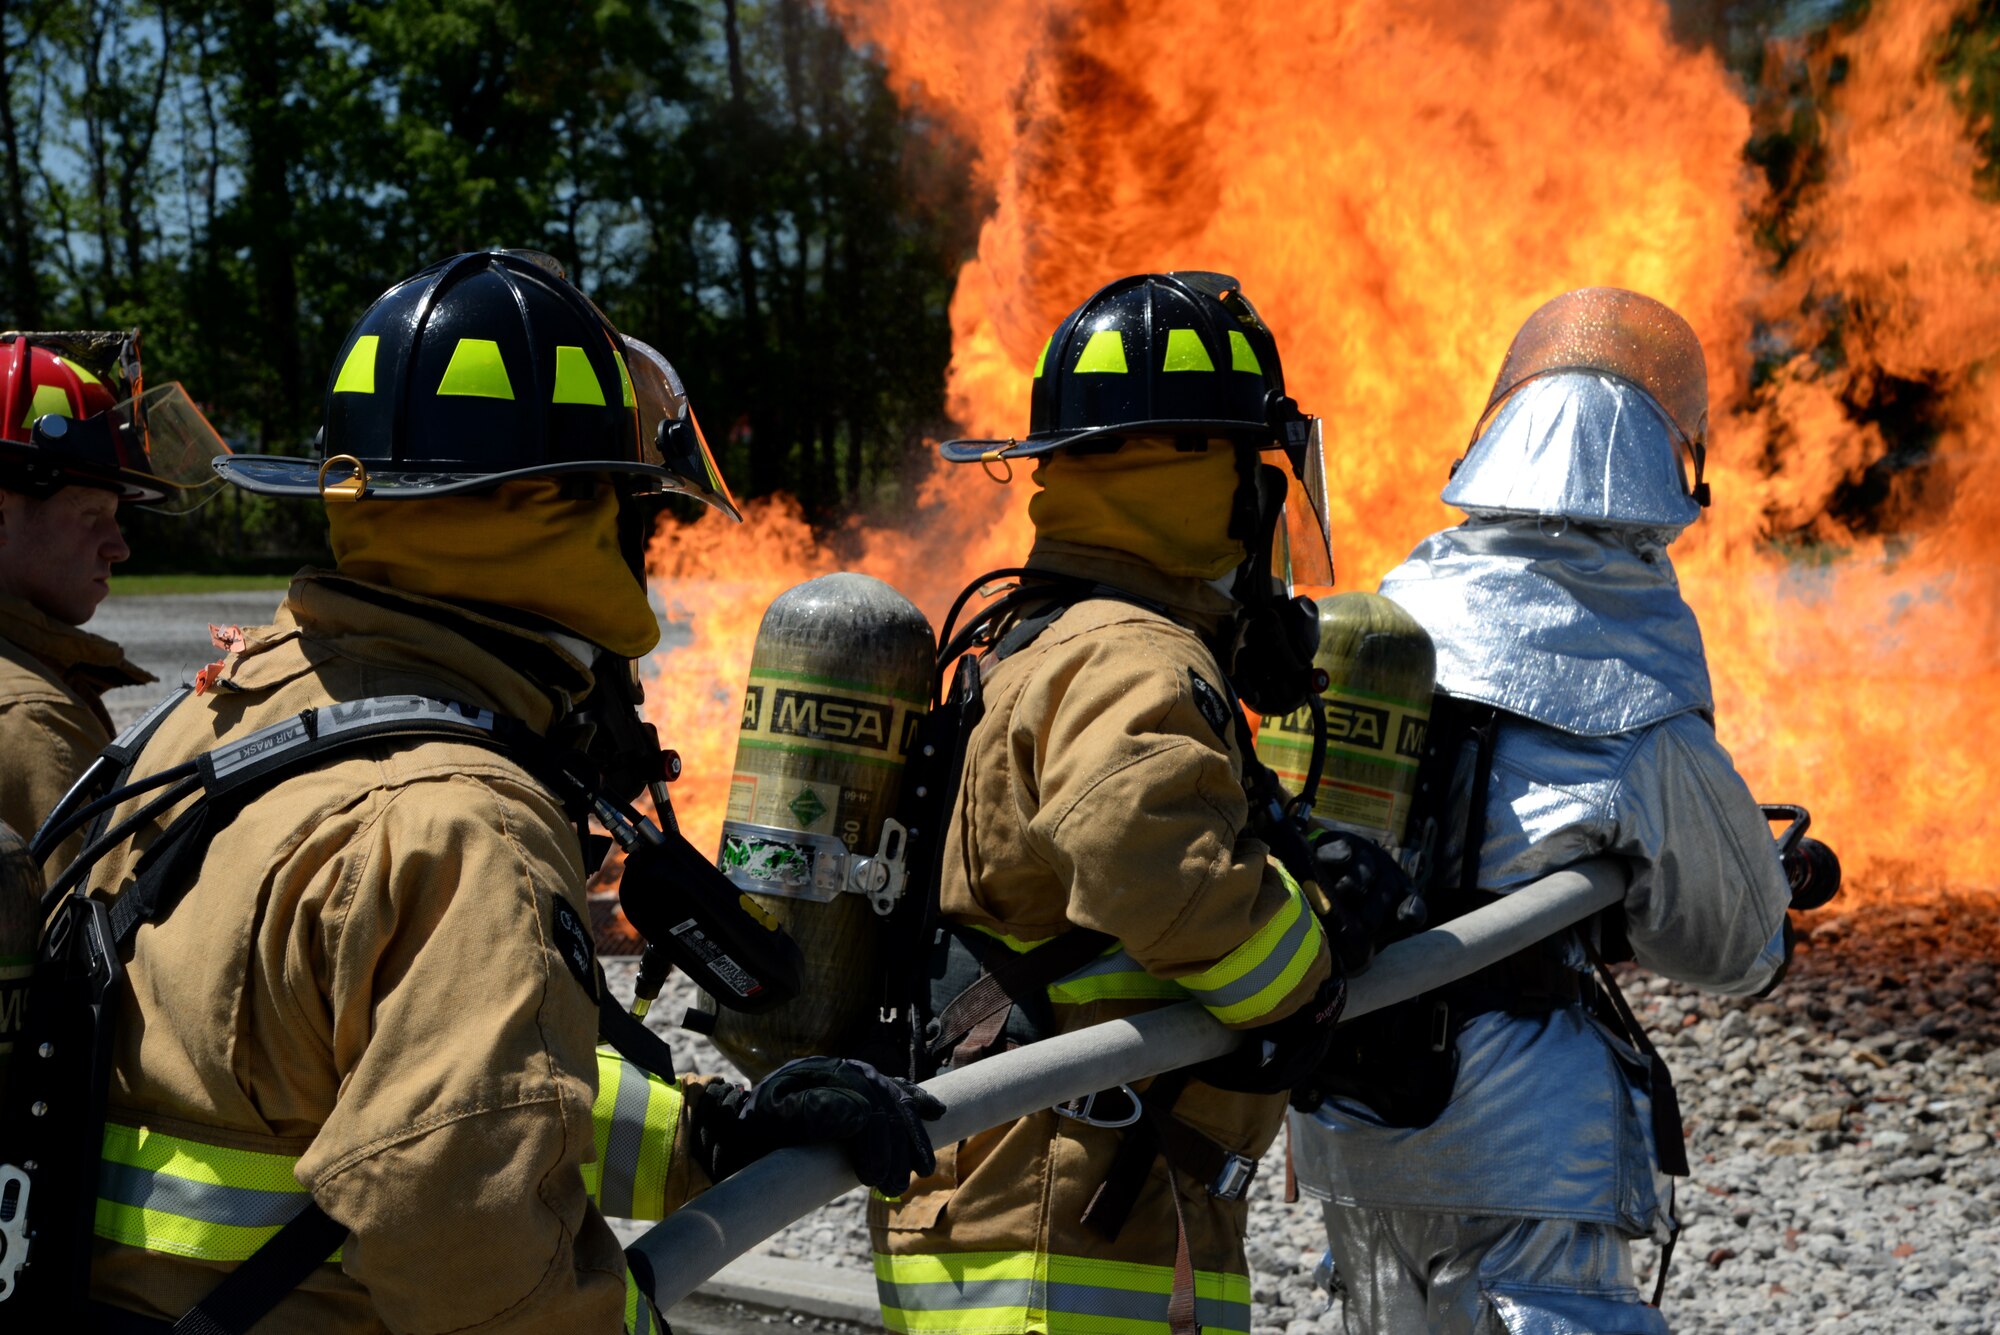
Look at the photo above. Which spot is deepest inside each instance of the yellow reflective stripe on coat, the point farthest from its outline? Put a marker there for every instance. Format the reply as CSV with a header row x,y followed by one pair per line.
x,y
1249,982
1241,987
1113,976
167,1194
639,1317
635,1119
977,1292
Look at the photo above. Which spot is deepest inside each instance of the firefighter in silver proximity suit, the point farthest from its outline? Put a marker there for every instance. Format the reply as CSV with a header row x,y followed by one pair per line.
x,y
1512,1211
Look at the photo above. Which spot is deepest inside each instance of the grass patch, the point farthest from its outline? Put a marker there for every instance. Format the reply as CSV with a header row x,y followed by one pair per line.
x,y
129,585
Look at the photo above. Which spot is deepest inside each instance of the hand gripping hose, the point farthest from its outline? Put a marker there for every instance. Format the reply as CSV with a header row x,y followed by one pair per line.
x,y
727,1221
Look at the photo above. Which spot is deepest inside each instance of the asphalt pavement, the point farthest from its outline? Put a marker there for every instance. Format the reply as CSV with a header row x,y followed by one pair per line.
x,y
167,634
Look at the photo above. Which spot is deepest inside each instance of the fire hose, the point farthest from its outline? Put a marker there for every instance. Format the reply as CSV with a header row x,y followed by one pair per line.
x,y
686,1249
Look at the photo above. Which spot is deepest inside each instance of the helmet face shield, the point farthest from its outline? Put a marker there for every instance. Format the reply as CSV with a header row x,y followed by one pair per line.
x,y
1610,330
1305,557
165,437
669,436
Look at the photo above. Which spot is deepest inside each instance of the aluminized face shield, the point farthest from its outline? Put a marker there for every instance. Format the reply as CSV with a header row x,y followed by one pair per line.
x,y
178,446
1610,331
670,436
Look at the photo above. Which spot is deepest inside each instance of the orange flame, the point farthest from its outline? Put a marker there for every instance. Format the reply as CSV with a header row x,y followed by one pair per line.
x,y
1398,184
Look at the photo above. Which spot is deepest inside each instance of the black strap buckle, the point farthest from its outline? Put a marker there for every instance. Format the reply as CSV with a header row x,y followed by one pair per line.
x,y
1238,1170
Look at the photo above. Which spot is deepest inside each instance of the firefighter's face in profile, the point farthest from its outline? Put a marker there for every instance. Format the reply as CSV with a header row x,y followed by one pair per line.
x,y
56,553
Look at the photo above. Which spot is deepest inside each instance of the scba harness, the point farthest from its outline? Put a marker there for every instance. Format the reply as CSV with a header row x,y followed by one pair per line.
x,y
53,1125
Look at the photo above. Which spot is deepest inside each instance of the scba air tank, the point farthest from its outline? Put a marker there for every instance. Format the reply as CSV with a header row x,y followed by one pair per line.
x,y
1382,668
839,678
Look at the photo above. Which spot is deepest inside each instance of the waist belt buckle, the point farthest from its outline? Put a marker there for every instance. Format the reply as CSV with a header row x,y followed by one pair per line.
x,y
1085,1109
1234,1179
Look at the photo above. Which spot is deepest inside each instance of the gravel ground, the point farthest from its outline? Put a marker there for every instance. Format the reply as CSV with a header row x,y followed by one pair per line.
x,y
1842,1136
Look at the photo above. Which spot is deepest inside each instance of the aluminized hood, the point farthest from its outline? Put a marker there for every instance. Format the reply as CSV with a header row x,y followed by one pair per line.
x,y
1582,630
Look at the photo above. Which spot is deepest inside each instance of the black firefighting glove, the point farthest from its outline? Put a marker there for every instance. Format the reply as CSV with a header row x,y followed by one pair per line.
x,y
877,1119
1373,901
1277,1057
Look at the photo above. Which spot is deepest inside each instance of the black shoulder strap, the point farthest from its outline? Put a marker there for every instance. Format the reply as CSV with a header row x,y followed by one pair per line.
x,y
246,1294
229,776
253,1288
111,769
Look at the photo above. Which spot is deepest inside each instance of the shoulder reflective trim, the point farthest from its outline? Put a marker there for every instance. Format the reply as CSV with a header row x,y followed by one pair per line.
x,y
184,1198
1243,357
1103,355
995,1291
476,372
1186,353
1252,979
1042,358
1113,976
575,381
357,373
638,1309
625,396
635,1120
49,401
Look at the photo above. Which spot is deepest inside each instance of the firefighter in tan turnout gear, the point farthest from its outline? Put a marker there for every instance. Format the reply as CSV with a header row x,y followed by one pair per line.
x,y
1099,858
73,448
60,491
369,1021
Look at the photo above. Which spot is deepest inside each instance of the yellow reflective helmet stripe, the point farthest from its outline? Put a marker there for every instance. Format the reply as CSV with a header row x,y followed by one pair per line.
x,y
1243,357
1186,353
186,1198
1042,358
49,401
357,373
959,1294
81,372
476,371
1250,981
625,394
1103,355
575,381
634,1120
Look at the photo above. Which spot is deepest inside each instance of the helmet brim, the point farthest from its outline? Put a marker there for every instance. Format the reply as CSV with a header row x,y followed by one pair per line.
x,y
299,479
34,470
972,451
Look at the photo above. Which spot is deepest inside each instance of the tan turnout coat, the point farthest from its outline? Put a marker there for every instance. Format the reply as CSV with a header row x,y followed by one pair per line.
x,y
52,721
1103,788
362,982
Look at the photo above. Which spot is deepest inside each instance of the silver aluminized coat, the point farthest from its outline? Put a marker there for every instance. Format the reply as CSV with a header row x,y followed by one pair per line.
x,y
1548,1119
